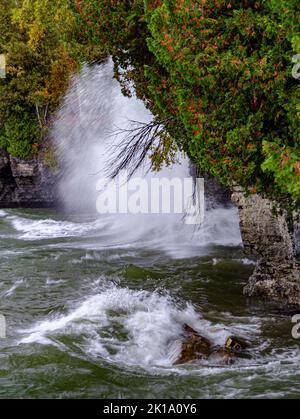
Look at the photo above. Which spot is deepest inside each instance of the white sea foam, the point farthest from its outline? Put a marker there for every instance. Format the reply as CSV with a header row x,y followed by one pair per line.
x,y
150,324
48,228
2,214
12,289
244,261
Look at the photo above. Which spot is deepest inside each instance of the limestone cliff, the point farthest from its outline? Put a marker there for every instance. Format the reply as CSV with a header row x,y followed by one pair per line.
x,y
274,240
26,183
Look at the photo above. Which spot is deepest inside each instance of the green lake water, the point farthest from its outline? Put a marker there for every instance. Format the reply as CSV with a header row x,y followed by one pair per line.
x,y
96,311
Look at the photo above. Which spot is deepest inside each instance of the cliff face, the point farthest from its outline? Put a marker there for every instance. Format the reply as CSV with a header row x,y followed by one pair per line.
x,y
275,241
26,183
216,195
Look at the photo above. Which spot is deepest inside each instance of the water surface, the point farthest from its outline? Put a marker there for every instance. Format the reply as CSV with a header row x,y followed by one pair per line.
x,y
95,308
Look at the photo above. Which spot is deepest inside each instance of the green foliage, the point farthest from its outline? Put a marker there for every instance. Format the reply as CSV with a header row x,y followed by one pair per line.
x,y
119,27
230,74
18,136
284,163
288,11
221,71
42,50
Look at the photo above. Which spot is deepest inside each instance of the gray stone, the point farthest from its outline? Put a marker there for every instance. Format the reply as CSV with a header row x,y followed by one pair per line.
x,y
24,168
270,237
216,195
26,183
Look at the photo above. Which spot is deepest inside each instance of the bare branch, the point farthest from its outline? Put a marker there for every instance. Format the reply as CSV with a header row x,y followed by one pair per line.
x,y
135,146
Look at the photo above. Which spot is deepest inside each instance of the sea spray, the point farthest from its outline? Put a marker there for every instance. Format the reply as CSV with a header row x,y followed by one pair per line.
x,y
94,109
150,323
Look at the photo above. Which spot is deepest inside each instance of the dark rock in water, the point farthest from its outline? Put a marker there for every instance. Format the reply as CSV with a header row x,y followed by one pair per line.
x,y
26,183
236,344
222,356
194,347
189,329
233,349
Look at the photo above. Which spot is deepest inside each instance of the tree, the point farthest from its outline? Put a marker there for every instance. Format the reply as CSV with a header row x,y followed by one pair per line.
x,y
221,72
40,42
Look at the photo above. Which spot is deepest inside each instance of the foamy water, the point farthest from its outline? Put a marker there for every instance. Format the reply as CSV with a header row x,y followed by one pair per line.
x,y
49,228
220,228
96,305
87,298
151,323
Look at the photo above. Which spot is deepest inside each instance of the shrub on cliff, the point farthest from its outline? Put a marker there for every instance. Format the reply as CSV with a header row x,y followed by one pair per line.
x,y
18,136
220,71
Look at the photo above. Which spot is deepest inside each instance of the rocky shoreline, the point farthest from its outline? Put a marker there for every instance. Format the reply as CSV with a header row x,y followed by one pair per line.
x,y
275,242
26,183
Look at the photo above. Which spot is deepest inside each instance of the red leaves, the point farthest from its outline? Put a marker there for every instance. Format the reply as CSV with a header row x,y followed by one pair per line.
x,y
167,42
297,167
153,4
228,161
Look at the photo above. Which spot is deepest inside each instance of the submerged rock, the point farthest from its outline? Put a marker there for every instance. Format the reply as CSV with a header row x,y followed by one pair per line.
x,y
234,348
222,356
194,347
236,344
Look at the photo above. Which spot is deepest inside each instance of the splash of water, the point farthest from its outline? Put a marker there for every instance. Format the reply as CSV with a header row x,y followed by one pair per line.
x,y
150,325
93,109
85,132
